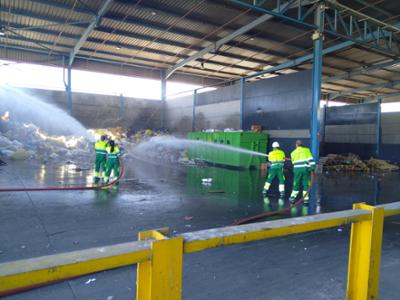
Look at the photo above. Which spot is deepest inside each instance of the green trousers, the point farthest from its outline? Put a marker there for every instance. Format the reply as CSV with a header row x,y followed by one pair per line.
x,y
301,178
278,172
112,165
272,173
100,165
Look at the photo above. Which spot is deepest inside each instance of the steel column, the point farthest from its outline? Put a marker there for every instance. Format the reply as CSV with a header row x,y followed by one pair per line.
x,y
316,80
163,97
378,129
68,88
242,86
194,110
121,106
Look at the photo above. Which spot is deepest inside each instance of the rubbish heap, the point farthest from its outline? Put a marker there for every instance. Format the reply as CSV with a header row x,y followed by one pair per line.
x,y
353,163
20,141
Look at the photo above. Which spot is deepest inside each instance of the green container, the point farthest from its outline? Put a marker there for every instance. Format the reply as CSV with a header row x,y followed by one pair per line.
x,y
247,140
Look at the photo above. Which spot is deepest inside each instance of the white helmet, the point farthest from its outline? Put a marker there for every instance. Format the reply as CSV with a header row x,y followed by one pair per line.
x,y
275,145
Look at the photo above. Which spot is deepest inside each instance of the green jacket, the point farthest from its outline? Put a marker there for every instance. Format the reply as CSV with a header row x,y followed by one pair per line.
x,y
100,147
113,155
302,159
277,158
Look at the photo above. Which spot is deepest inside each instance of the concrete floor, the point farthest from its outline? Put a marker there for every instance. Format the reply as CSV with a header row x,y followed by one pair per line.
x,y
306,266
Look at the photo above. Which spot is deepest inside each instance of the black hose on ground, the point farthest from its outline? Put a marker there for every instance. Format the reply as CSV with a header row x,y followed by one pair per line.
x,y
277,212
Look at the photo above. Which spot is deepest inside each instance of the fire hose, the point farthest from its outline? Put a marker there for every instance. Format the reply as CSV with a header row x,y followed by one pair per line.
x,y
276,212
74,188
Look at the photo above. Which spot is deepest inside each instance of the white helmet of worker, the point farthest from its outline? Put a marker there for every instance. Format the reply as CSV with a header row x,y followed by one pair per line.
x,y
275,145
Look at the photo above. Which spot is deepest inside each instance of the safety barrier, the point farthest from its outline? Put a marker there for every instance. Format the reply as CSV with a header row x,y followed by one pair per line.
x,y
159,258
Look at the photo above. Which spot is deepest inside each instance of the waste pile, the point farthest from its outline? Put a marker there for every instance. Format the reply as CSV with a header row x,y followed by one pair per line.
x,y
20,141
380,165
23,141
353,163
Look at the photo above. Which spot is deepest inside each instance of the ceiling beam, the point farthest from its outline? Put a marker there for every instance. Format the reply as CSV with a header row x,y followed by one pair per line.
x,y
361,71
83,59
213,47
389,84
95,22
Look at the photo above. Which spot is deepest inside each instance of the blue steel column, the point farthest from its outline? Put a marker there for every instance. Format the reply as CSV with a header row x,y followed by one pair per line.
x,y
163,98
121,106
316,80
378,129
242,86
194,110
69,90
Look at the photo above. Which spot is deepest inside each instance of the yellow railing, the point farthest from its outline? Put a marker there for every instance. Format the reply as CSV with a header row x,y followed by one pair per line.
x,y
159,258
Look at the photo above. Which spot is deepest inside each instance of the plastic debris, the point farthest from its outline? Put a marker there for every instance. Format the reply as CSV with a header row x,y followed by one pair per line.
x,y
20,141
90,280
188,218
340,229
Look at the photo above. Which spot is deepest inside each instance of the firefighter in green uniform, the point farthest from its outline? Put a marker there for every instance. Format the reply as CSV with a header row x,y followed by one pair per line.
x,y
101,158
112,165
303,165
277,159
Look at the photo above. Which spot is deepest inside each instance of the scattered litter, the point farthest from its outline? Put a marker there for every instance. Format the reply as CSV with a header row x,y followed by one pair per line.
x,y
90,280
305,249
206,180
188,225
340,229
110,297
75,242
188,218
23,247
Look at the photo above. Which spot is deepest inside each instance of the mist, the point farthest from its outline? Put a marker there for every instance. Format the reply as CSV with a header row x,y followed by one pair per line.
x,y
26,108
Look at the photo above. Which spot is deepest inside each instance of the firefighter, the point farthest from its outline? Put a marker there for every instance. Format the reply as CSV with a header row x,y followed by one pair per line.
x,y
101,158
113,163
277,159
303,165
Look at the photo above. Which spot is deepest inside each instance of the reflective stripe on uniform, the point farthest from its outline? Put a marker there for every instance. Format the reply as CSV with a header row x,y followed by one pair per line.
x,y
300,166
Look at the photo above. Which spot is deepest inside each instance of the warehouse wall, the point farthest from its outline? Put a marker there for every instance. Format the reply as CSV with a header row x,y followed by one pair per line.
x,y
282,105
361,138
218,109
96,111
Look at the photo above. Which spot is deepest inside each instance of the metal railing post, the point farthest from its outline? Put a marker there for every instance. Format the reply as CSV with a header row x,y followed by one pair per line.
x,y
161,277
365,255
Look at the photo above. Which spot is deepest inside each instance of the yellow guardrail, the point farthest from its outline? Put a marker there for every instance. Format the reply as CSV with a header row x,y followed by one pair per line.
x,y
159,258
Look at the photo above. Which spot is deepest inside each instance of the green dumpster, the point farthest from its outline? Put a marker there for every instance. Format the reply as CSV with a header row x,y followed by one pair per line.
x,y
246,140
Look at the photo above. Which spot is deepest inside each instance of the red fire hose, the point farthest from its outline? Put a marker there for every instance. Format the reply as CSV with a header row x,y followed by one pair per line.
x,y
75,188
277,212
